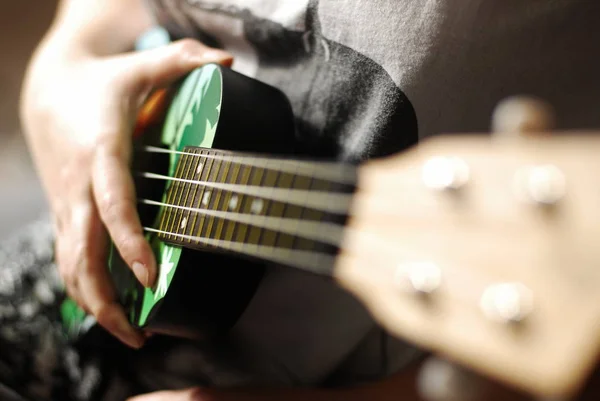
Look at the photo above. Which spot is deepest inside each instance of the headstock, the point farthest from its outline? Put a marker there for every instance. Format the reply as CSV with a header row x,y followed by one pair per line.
x,y
485,249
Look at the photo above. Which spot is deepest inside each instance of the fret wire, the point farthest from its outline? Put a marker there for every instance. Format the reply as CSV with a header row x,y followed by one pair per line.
x,y
269,238
280,207
166,214
245,206
228,226
232,233
207,229
191,221
254,232
222,199
311,214
217,197
281,239
300,242
173,223
204,175
187,189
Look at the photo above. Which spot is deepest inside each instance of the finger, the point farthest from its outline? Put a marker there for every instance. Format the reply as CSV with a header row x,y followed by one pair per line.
x,y
94,285
66,264
193,394
114,192
162,66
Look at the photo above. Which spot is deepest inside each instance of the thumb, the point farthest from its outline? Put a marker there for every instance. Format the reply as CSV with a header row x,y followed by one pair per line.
x,y
159,67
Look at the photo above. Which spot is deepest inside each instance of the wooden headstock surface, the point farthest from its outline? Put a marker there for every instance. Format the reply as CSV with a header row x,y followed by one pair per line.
x,y
485,249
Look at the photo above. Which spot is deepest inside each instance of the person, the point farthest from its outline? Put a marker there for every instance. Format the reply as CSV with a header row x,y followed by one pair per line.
x,y
365,79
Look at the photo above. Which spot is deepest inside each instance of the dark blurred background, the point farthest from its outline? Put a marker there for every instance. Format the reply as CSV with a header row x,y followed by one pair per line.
x,y
22,24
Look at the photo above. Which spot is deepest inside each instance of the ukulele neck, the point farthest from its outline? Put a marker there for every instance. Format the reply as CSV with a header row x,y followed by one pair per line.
x,y
281,210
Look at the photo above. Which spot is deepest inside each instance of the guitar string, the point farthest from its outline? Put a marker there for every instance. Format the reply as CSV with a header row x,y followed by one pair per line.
x,y
340,173
316,262
347,204
324,264
315,199
316,231
325,232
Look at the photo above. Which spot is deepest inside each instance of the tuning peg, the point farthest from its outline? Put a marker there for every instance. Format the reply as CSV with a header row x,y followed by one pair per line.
x,y
522,116
423,278
445,173
544,185
507,302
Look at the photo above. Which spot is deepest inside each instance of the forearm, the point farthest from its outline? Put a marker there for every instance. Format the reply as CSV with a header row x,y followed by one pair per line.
x,y
101,27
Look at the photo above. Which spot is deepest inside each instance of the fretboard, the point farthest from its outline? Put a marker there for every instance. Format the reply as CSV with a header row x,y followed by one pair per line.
x,y
269,208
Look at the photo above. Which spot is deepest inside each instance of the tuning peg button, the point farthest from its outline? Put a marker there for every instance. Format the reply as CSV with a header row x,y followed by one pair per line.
x,y
544,185
507,302
422,278
445,173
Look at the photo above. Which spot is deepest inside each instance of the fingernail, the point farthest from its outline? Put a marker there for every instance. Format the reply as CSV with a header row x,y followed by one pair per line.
x,y
141,272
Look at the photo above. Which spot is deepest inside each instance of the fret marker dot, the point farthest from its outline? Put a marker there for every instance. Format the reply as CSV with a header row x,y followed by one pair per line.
x,y
184,223
206,198
199,169
233,202
257,206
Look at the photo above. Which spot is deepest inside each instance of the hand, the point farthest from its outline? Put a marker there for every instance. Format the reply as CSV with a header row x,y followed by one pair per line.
x,y
78,110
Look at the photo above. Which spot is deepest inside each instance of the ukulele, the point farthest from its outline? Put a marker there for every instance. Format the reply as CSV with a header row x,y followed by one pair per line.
x,y
486,251
215,217
480,249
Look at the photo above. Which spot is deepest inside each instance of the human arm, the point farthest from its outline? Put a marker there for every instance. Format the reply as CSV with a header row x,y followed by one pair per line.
x,y
82,92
